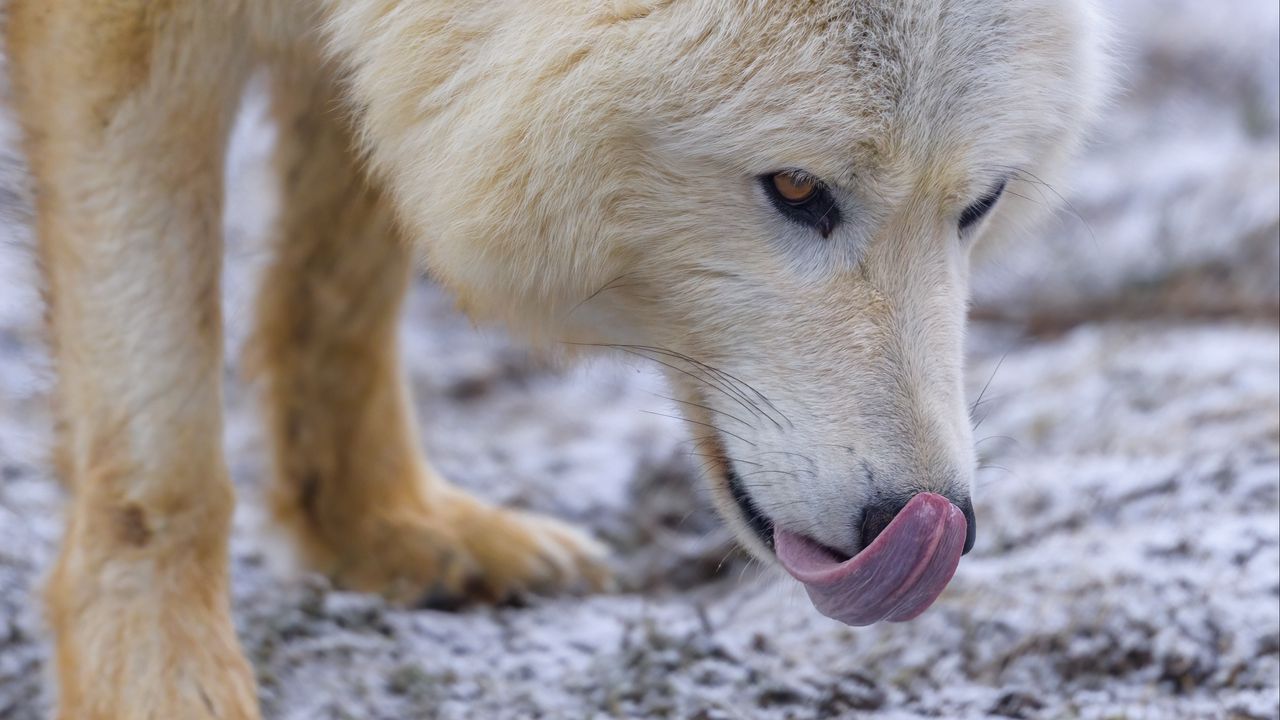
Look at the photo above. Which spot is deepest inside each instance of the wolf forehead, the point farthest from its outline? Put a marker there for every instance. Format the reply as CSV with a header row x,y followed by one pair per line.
x,y
873,81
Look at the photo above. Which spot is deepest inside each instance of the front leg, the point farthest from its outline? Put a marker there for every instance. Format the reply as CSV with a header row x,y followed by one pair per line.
x,y
352,484
126,106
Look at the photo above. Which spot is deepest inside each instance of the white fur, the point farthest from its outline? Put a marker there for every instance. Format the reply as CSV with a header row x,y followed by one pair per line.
x,y
546,154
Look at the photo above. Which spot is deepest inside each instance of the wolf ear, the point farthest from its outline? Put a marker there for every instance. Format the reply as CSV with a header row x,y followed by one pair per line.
x,y
619,10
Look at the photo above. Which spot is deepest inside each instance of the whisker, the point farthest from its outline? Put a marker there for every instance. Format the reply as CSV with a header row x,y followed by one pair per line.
x,y
995,370
697,422
607,286
723,560
718,458
723,384
1033,179
726,377
749,408
764,472
979,403
1024,197
708,409
802,456
990,466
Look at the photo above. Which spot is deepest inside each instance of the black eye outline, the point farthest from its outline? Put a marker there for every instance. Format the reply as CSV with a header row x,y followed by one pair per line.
x,y
818,212
973,214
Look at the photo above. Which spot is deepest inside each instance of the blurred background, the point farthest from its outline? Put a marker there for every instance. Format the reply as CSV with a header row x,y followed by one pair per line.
x,y
1129,496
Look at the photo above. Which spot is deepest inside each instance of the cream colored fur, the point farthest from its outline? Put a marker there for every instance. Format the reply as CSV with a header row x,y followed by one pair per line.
x,y
584,171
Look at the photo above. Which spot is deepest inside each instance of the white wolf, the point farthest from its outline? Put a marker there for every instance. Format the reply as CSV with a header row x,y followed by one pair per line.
x,y
774,200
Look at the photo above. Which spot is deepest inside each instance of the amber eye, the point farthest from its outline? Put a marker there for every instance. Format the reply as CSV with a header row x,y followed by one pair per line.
x,y
795,188
802,198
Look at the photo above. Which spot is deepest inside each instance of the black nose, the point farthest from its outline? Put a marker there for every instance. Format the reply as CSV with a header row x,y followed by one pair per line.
x,y
876,517
970,525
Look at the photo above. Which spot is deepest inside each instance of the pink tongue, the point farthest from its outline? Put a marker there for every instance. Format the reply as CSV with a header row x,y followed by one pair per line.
x,y
895,578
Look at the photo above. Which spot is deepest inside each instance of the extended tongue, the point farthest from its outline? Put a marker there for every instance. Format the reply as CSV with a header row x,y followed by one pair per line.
x,y
896,577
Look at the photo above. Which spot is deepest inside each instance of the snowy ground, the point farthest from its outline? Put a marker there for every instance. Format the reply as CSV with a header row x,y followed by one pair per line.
x,y
1129,560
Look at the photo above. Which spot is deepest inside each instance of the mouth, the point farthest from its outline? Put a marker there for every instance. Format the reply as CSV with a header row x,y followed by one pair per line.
x,y
759,523
895,578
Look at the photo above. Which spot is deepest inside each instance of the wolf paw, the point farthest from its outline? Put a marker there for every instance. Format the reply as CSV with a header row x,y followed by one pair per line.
x,y
461,551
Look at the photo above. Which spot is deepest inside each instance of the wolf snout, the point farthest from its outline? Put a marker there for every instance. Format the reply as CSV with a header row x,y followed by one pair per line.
x,y
878,515
896,577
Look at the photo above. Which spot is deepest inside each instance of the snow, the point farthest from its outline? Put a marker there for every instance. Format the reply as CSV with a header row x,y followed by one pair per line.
x,y
1128,557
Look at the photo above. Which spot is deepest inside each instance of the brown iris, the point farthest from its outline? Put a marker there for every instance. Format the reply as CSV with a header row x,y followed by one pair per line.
x,y
795,188
802,198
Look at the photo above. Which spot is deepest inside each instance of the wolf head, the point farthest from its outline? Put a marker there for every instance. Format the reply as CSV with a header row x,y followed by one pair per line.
x,y
775,201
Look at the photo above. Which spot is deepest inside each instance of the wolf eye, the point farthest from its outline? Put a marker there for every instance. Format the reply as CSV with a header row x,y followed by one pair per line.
x,y
803,199
794,188
979,210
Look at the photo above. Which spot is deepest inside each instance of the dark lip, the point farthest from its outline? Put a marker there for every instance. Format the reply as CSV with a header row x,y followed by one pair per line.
x,y
759,523
762,526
